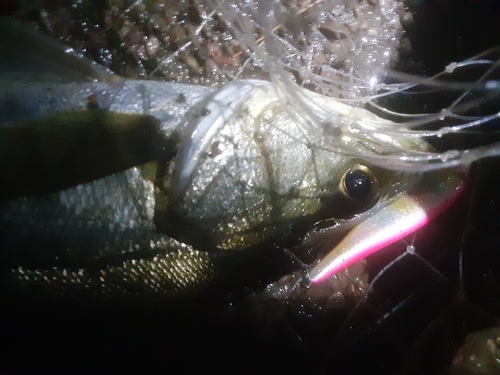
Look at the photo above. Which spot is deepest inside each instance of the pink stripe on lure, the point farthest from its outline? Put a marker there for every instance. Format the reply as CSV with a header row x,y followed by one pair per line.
x,y
404,216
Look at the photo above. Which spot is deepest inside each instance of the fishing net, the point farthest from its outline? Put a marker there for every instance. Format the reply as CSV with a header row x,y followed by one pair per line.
x,y
322,52
363,54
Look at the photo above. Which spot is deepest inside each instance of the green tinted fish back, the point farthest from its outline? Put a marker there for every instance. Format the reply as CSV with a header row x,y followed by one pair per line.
x,y
68,148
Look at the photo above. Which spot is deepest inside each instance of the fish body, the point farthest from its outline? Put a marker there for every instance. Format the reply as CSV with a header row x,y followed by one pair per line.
x,y
253,185
238,173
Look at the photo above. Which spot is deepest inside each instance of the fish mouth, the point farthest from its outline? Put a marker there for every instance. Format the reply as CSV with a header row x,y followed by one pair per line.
x,y
408,213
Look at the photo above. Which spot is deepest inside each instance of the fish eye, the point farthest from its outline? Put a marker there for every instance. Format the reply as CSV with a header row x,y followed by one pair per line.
x,y
358,182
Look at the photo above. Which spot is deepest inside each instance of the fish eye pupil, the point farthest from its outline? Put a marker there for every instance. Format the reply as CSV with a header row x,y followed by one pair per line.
x,y
358,183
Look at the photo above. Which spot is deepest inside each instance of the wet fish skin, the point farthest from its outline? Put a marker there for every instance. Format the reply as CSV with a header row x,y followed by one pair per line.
x,y
94,235
28,55
101,237
255,181
44,125
86,239
97,240
167,102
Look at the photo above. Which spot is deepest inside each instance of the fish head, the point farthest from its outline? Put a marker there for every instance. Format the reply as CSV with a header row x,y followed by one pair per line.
x,y
404,215
248,176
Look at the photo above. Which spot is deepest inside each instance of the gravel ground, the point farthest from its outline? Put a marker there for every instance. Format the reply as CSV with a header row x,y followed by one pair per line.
x,y
186,41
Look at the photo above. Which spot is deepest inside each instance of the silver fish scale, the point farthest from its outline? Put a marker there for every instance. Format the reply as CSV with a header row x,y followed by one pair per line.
x,y
94,200
109,216
168,275
167,102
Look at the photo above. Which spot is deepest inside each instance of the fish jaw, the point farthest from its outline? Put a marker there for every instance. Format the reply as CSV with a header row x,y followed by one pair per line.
x,y
408,213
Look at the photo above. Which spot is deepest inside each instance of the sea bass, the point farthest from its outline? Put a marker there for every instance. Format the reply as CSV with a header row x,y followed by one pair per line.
x,y
235,180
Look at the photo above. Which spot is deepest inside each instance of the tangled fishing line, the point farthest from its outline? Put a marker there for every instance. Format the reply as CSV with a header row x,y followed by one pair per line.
x,y
320,53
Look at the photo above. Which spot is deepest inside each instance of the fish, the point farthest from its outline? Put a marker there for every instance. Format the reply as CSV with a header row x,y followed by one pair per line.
x,y
211,134
234,173
110,265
